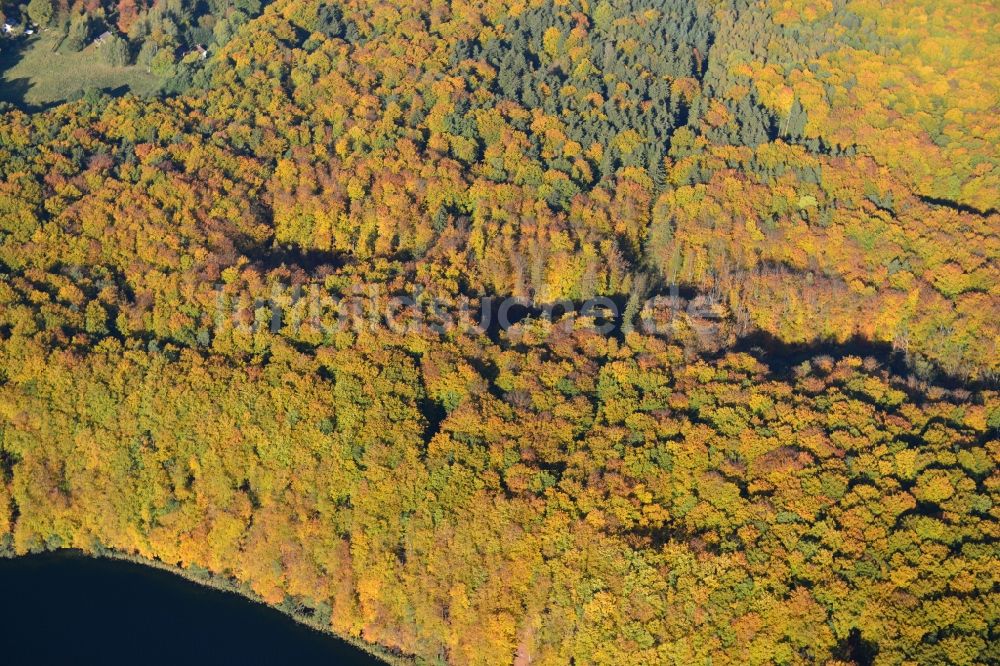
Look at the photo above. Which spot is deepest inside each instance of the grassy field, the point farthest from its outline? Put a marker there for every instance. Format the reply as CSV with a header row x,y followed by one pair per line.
x,y
37,74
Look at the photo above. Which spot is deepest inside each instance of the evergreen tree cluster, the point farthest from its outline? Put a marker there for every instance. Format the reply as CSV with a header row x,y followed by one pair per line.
x,y
633,52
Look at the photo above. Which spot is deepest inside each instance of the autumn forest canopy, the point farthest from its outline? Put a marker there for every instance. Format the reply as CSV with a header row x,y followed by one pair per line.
x,y
784,450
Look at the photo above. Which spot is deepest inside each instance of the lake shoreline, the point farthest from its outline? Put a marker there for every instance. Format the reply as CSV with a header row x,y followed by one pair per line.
x,y
224,584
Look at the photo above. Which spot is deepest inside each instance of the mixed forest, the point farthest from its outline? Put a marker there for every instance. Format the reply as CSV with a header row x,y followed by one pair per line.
x,y
801,469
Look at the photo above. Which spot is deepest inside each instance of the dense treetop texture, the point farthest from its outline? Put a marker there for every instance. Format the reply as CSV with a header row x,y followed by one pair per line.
x,y
801,469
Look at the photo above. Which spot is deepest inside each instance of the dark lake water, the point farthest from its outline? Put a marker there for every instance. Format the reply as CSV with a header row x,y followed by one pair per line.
x,y
64,608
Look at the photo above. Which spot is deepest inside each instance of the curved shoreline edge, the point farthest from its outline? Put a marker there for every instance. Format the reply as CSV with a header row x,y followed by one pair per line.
x,y
224,584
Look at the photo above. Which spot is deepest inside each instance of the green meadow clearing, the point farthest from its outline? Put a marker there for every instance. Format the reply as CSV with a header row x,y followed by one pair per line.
x,y
36,73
